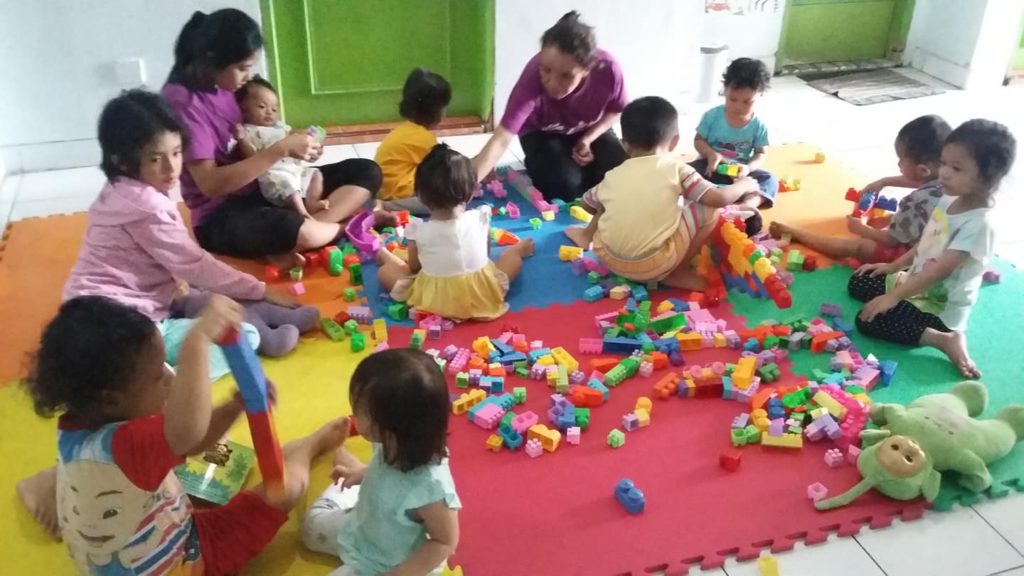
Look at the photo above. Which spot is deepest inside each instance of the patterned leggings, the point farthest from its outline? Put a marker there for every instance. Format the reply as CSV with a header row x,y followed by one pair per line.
x,y
904,323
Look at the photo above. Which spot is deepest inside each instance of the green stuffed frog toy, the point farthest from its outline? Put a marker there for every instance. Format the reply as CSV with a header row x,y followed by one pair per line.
x,y
938,433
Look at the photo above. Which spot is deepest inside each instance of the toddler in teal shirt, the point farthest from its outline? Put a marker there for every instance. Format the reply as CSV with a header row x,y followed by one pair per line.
x,y
397,515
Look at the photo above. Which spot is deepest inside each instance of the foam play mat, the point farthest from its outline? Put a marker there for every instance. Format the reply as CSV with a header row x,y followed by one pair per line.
x,y
557,513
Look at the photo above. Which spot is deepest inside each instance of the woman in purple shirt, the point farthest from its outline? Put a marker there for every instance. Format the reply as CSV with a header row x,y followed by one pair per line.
x,y
563,107
213,58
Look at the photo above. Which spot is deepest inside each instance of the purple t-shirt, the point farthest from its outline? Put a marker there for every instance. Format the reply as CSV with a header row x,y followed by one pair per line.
x,y
531,109
210,117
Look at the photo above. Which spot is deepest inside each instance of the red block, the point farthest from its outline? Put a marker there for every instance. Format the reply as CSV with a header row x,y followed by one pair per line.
x,y
584,397
271,273
268,450
659,359
730,459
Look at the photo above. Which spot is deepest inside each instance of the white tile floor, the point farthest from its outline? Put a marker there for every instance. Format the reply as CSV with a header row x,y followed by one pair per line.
x,y
983,540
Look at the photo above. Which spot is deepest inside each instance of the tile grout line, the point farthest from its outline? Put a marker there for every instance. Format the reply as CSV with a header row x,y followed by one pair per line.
x,y
996,530
880,569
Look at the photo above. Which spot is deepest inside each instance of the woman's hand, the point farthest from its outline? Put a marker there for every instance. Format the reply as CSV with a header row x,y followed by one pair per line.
x,y
581,152
299,146
877,306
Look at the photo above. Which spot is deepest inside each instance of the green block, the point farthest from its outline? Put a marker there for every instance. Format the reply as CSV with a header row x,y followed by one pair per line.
x,y
358,342
348,295
351,326
332,329
520,364
561,387
502,211
583,418
335,258
335,269
753,435
616,439
771,342
519,394
462,380
506,420
416,341
355,273
296,274
522,372
535,223
593,277
738,437
347,248
819,375
647,347
795,430
398,311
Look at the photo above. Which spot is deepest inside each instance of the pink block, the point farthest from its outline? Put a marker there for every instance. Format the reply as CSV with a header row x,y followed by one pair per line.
x,y
522,422
488,416
572,435
533,448
834,458
512,210
591,345
852,454
597,375
817,491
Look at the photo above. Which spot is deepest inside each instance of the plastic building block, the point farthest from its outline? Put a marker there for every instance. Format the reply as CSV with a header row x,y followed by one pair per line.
x,y
380,330
355,274
548,438
271,274
533,448
817,491
519,394
730,460
992,276
494,443
398,311
593,294
512,210
252,385
834,458
629,496
616,439
572,435
535,223
783,441
360,231
830,310
348,295
297,289
731,170
295,274
569,253
418,337
819,158
768,566
580,214
332,329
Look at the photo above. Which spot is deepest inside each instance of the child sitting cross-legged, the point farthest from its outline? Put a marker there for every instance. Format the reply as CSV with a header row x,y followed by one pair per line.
x,y
126,422
919,149
653,213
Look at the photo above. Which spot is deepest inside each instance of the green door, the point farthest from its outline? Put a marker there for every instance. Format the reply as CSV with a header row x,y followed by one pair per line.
x,y
843,30
343,62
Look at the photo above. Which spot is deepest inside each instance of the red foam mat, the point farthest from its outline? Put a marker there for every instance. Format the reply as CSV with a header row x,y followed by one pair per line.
x,y
556,514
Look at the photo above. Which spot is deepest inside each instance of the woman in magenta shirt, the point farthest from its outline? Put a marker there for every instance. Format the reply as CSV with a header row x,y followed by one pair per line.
x,y
213,58
563,107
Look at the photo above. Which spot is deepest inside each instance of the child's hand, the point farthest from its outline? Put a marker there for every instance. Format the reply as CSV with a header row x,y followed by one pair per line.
x,y
742,171
581,152
749,184
713,161
220,315
875,186
299,146
240,133
877,269
877,306
350,475
182,291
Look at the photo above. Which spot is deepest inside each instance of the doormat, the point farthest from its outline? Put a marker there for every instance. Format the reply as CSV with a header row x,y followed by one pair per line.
x,y
864,88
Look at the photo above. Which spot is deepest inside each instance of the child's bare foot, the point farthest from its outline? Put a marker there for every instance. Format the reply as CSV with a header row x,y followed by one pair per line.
x,y
579,236
954,346
686,278
287,261
383,219
384,256
525,247
38,494
318,206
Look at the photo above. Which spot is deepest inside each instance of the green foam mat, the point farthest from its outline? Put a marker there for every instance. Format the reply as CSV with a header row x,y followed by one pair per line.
x,y
995,338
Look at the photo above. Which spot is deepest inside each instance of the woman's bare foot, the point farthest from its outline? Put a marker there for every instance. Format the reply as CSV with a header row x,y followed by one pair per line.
x,y
287,261
579,236
525,247
954,346
38,494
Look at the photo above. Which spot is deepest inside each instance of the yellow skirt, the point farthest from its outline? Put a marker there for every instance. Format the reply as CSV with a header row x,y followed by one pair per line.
x,y
478,295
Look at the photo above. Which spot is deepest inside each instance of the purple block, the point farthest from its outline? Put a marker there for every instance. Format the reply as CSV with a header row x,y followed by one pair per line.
x,y
630,422
776,427
741,421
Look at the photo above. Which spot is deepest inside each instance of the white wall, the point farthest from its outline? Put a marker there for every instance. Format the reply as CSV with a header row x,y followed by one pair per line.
x,y
655,41
58,69
968,44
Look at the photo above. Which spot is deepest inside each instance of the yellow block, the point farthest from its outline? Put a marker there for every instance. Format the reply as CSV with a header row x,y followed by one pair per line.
x,y
817,413
569,253
580,214
767,565
829,403
547,215
863,398
618,293
719,340
549,438
644,403
494,443
690,341
380,330
467,400
546,360
643,417
743,375
563,358
664,307
784,441
483,346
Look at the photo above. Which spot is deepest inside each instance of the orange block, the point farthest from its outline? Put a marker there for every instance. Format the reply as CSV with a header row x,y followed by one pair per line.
x,y
496,370
584,397
476,363
818,342
659,359
603,364
760,400
548,438
667,386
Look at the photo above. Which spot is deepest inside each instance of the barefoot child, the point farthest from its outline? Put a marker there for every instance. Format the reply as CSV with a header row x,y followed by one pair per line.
x,y
125,422
398,514
288,182
424,99
639,230
929,303
733,135
919,149
450,272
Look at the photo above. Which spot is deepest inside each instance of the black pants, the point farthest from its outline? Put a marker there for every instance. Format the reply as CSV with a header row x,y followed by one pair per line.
x,y
247,226
904,323
550,165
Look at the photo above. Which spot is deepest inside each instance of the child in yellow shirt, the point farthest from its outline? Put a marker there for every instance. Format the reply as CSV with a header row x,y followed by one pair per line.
x,y
424,99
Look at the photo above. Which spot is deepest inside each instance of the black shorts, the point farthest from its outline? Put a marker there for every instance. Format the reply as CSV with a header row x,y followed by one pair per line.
x,y
250,227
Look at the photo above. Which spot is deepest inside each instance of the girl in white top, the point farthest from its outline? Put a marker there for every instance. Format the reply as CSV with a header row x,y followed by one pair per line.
x,y
928,304
450,272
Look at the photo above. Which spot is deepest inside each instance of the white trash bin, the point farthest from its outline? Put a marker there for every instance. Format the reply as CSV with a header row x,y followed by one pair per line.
x,y
713,60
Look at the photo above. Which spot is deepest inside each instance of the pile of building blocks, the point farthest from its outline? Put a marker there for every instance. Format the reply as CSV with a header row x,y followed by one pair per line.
x,y
870,204
522,184
734,261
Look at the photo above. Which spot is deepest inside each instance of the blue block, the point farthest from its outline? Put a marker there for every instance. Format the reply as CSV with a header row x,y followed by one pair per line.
x,y
600,387
535,355
666,345
726,388
629,496
834,378
640,293
509,359
501,347
888,369
678,305
676,358
506,401
630,305
620,345
751,345
248,373
513,440
842,325
644,338
593,294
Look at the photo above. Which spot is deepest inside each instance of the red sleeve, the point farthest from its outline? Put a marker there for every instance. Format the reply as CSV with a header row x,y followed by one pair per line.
x,y
141,451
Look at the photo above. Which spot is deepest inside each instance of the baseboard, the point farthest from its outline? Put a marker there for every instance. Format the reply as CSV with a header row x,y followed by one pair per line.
x,y
51,156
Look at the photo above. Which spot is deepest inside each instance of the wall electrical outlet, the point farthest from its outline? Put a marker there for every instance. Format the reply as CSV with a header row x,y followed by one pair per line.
x,y
130,72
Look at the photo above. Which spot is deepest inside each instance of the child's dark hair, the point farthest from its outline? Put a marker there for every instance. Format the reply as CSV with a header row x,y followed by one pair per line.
x,y
922,138
648,122
747,73
89,350
424,97
991,146
445,179
573,37
130,122
255,81
405,394
211,42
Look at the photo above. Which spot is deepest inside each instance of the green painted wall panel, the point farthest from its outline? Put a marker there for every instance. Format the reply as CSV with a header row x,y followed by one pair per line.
x,y
818,31
344,61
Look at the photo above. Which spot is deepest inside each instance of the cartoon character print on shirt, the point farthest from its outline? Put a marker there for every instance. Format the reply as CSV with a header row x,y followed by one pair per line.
x,y
730,151
559,128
